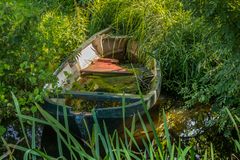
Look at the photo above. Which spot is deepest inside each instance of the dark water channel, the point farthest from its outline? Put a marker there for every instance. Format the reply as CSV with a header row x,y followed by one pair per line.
x,y
191,126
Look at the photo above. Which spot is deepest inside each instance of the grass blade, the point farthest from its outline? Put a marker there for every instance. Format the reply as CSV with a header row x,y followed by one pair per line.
x,y
212,152
33,137
133,140
124,118
147,114
108,141
20,119
234,122
169,146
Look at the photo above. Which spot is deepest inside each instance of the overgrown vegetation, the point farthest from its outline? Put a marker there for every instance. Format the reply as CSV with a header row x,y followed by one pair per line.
x,y
196,42
35,37
102,145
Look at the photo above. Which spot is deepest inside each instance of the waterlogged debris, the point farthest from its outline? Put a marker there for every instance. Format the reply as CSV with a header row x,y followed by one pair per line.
x,y
112,84
13,134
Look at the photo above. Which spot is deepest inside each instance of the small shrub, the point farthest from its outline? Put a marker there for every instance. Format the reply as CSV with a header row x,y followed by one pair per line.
x,y
34,38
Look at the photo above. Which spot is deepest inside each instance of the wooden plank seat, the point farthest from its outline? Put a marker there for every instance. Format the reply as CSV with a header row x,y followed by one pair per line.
x,y
105,66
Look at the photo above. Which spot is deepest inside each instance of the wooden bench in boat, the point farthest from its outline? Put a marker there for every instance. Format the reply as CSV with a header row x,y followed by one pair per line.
x,y
105,66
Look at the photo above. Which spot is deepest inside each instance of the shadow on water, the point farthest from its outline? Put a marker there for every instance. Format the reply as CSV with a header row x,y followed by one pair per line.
x,y
191,126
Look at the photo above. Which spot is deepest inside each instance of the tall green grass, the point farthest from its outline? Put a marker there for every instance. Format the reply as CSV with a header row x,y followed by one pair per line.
x,y
163,29
195,44
114,146
186,45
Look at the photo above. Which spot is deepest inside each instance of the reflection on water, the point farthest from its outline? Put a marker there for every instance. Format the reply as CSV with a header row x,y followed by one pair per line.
x,y
182,123
191,125
178,119
11,133
14,135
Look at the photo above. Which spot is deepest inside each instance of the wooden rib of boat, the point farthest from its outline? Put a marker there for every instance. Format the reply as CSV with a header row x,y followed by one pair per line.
x,y
101,54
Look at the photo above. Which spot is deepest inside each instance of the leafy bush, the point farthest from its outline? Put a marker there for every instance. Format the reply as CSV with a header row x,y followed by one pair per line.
x,y
220,84
222,14
34,38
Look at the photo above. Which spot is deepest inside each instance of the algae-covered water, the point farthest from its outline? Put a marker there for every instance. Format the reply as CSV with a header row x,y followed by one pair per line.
x,y
110,83
101,83
115,82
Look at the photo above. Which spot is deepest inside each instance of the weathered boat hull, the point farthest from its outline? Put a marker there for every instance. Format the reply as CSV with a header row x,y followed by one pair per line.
x,y
113,116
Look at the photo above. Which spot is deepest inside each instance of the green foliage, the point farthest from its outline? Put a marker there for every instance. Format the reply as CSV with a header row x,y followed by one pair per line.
x,y
2,130
223,14
220,84
34,39
113,146
196,42
184,44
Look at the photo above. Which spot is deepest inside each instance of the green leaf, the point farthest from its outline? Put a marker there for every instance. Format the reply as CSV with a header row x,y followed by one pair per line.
x,y
2,130
34,109
169,146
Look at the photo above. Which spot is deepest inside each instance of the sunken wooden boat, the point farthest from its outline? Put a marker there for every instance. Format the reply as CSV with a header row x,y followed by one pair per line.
x,y
101,55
